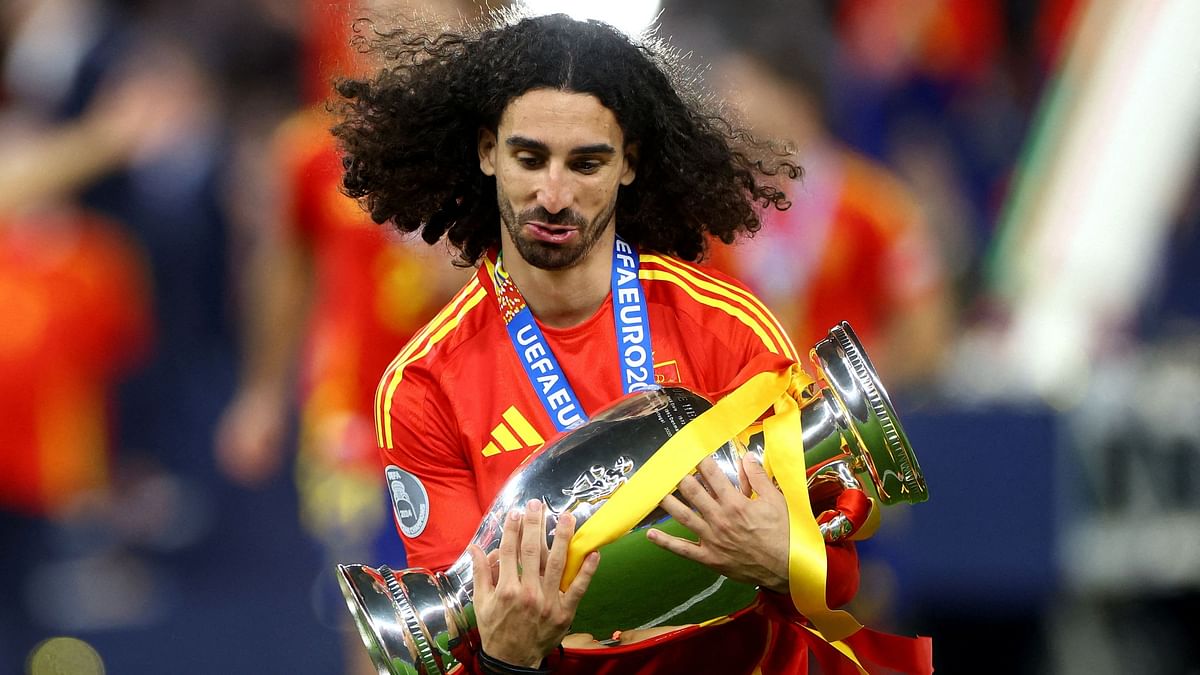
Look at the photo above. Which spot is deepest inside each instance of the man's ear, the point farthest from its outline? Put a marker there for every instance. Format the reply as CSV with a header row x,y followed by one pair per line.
x,y
631,158
487,152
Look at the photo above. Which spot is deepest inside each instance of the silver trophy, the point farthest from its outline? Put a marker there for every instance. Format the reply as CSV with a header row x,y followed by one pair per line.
x,y
410,619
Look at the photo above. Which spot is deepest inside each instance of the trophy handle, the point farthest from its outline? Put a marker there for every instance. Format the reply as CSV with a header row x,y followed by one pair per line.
x,y
840,526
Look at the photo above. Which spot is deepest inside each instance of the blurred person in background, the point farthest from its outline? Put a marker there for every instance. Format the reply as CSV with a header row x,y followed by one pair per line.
x,y
331,297
75,294
136,129
854,245
62,56
76,320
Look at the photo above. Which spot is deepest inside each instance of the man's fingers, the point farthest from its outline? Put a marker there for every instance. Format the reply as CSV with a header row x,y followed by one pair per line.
x,y
564,529
747,490
685,516
718,483
581,641
579,585
698,497
757,476
676,545
493,561
481,569
533,542
509,542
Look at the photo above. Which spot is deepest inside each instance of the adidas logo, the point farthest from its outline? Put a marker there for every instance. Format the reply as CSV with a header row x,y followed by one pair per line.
x,y
513,433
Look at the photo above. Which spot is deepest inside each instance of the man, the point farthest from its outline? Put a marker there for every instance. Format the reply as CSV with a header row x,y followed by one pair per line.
x,y
547,152
332,298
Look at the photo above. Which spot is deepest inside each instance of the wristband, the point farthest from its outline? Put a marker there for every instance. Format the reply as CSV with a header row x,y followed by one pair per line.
x,y
492,666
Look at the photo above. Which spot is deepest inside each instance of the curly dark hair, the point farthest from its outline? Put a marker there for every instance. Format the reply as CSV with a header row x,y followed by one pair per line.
x,y
410,134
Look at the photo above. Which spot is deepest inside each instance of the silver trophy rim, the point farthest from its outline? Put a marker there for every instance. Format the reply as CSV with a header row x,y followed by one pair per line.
x,y
363,620
879,401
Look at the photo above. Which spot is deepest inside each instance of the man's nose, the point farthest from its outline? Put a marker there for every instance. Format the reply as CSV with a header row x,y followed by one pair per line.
x,y
555,192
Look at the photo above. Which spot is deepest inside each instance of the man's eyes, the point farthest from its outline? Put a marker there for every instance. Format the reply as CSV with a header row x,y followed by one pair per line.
x,y
584,166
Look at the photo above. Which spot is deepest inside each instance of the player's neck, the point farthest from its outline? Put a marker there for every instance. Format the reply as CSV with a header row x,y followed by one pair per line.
x,y
564,298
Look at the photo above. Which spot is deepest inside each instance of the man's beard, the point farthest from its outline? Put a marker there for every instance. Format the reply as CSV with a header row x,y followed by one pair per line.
x,y
546,255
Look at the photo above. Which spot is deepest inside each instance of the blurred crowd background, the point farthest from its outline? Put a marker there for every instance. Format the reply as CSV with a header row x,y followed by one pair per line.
x,y
999,196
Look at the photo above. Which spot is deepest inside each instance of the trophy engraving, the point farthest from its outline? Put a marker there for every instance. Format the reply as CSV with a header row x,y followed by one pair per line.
x,y
851,435
596,484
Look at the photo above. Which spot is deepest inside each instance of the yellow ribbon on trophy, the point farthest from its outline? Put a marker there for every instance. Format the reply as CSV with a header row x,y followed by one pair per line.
x,y
783,458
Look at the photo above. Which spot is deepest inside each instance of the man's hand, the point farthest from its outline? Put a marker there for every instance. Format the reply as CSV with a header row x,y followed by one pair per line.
x,y
520,611
249,438
745,539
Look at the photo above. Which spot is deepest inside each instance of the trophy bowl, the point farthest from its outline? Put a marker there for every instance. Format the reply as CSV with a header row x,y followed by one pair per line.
x,y
410,619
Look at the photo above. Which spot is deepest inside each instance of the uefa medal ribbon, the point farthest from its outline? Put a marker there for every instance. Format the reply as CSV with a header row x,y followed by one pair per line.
x,y
545,375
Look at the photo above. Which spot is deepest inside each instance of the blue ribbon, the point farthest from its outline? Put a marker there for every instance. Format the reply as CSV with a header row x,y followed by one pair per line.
x,y
633,342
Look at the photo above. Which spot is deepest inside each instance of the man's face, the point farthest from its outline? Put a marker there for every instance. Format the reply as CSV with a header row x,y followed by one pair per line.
x,y
559,159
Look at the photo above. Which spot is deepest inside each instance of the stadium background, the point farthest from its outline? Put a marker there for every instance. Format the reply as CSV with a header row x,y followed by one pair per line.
x,y
1049,145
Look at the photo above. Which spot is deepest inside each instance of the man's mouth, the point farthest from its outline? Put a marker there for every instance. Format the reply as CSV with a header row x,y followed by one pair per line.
x,y
554,234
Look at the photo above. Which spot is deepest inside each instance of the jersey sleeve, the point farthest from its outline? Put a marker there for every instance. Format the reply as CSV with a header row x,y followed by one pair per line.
x,y
754,342
723,326
430,482
761,335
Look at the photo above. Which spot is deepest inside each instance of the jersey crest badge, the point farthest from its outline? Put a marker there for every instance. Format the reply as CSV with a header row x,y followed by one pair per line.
x,y
667,372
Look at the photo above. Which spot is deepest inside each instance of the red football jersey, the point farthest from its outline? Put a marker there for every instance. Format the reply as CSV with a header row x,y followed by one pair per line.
x,y
76,315
456,415
456,409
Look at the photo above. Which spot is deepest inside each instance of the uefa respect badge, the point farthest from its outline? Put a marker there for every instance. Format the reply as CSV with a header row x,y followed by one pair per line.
x,y
410,501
